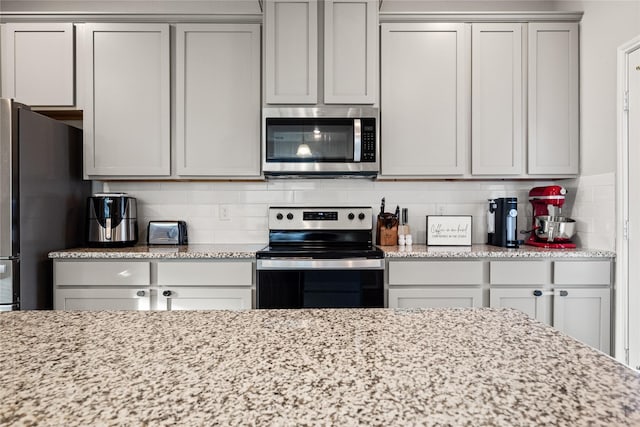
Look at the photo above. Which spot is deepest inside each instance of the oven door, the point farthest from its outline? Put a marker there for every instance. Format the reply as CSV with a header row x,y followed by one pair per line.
x,y
305,283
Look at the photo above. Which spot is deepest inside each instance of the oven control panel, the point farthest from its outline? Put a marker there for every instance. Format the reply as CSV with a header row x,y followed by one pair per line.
x,y
320,218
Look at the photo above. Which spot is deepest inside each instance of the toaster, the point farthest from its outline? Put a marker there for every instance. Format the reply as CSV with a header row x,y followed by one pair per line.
x,y
167,233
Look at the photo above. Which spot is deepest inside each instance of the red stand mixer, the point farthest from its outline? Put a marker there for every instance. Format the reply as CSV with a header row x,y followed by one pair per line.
x,y
549,228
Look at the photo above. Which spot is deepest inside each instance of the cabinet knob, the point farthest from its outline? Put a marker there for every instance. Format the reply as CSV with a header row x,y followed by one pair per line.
x,y
564,293
141,293
537,293
166,293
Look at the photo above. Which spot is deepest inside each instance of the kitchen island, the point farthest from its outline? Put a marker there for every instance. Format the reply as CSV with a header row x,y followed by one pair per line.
x,y
286,367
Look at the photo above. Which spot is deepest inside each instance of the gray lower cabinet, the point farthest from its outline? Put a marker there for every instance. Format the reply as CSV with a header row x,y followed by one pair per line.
x,y
431,284
435,297
153,285
88,298
204,285
102,285
574,296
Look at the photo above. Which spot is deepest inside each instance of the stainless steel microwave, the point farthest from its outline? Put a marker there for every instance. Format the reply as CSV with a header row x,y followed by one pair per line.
x,y
317,142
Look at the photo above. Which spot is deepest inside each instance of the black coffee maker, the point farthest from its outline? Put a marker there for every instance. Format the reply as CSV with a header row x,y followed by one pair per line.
x,y
502,221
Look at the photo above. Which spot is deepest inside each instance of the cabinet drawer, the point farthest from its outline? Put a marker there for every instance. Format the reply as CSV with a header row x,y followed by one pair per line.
x,y
217,273
582,273
101,273
519,272
435,272
435,297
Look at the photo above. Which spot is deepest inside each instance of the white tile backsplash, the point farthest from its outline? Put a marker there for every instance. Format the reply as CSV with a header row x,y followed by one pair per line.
x,y
593,206
198,203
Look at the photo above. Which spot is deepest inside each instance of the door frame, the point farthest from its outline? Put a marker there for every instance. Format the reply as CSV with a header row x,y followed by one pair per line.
x,y
621,299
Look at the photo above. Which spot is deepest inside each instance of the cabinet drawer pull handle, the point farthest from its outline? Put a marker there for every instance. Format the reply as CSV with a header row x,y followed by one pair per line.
x,y
166,293
141,293
539,293
564,293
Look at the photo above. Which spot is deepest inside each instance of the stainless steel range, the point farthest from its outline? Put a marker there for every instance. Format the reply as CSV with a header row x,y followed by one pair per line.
x,y
320,257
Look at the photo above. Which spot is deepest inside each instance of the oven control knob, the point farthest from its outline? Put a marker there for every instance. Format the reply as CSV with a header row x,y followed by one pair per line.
x,y
289,216
361,216
279,217
351,215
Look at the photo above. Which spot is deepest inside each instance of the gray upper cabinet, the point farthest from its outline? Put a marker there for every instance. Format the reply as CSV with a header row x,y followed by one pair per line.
x,y
350,51
218,100
553,99
127,108
481,100
425,99
497,131
38,63
291,51
350,55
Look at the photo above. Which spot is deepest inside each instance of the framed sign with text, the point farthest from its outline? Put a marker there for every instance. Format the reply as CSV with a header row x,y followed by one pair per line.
x,y
449,230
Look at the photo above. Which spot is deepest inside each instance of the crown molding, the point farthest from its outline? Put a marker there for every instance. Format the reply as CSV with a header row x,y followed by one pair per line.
x,y
79,17
480,16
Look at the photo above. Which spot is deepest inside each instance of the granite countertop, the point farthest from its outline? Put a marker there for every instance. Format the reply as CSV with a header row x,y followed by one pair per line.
x,y
488,251
310,367
193,251
242,251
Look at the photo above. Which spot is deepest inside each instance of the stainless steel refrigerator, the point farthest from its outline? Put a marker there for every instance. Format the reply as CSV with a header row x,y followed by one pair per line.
x,y
42,199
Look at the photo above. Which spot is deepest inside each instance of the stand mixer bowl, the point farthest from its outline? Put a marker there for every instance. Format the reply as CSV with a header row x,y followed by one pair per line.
x,y
554,228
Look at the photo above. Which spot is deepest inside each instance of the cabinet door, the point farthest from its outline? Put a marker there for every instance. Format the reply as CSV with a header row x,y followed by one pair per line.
x,y
127,119
218,100
497,134
534,302
291,51
553,98
192,298
102,299
425,99
350,51
37,63
585,315
435,297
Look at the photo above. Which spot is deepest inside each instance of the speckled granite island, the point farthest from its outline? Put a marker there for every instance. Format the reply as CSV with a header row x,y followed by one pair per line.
x,y
475,367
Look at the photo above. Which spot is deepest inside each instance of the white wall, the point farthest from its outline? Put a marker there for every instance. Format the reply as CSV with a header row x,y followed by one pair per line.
x,y
605,26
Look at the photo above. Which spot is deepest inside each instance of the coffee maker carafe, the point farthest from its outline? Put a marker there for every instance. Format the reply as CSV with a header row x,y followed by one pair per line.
x,y
112,220
502,218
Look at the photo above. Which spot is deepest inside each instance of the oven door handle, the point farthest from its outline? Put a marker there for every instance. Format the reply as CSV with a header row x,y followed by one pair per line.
x,y
320,264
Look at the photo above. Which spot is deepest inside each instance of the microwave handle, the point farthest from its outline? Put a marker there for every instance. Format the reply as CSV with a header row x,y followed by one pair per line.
x,y
357,140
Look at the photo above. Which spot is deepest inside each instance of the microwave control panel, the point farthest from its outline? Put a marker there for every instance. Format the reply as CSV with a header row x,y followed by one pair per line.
x,y
368,140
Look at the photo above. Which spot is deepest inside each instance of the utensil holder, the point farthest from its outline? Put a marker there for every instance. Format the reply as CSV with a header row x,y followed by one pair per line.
x,y
386,236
